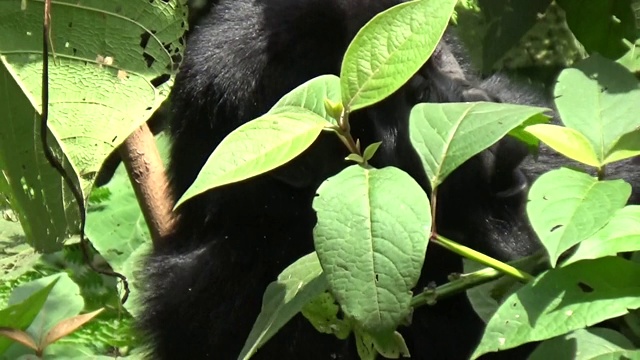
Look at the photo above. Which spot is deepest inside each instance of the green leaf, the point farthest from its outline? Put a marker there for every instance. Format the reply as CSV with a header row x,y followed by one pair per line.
x,y
20,315
298,284
371,150
322,312
568,142
567,206
486,298
64,301
390,49
390,345
600,99
258,146
507,25
626,147
586,344
37,193
371,237
314,95
621,234
447,135
631,60
355,158
632,319
106,78
562,300
602,25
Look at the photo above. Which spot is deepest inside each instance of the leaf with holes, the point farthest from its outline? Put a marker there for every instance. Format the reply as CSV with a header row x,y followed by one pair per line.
x,y
621,234
567,206
562,300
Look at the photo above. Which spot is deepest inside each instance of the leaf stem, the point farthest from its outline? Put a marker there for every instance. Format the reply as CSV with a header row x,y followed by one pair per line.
x,y
481,258
470,280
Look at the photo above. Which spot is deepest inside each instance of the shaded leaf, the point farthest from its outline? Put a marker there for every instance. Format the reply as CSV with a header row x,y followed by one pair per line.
x,y
298,284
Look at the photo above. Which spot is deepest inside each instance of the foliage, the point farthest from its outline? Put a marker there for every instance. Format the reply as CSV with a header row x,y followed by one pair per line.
x,y
105,82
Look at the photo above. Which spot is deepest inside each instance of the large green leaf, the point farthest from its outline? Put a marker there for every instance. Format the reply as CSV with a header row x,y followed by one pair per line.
x,y
567,206
371,237
390,49
562,300
600,99
258,146
447,135
111,65
36,192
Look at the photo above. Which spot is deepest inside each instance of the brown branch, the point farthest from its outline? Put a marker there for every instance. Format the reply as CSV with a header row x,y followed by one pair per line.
x,y
148,178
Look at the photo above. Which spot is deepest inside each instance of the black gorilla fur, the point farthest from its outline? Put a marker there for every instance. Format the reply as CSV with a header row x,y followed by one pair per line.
x,y
205,284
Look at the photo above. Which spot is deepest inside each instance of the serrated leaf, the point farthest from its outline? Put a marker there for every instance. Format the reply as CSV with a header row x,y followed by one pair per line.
x,y
562,300
371,237
298,284
390,49
620,234
600,99
447,135
568,142
567,206
258,146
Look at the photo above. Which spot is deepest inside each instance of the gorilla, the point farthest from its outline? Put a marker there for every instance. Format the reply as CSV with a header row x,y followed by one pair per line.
x,y
205,282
